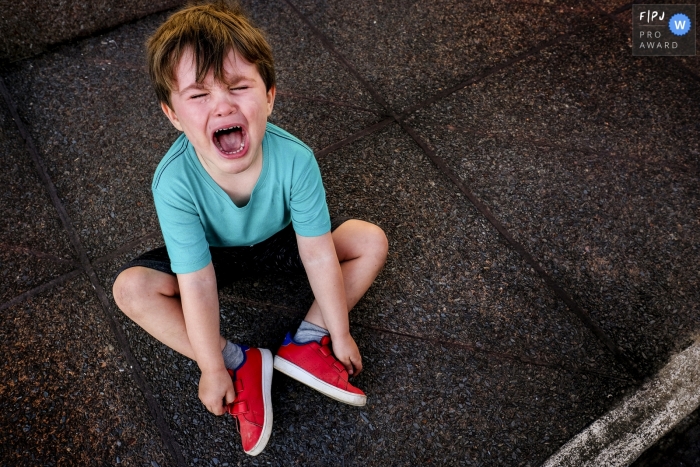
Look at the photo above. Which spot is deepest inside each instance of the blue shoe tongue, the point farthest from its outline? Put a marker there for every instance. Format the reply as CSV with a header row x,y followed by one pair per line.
x,y
288,339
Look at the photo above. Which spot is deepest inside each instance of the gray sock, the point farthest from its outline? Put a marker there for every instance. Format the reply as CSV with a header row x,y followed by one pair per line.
x,y
233,356
308,332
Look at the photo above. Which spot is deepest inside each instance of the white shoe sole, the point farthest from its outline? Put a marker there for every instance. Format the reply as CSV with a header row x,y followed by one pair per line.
x,y
293,371
267,366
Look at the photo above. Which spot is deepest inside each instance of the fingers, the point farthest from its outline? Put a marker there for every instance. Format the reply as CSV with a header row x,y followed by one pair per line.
x,y
230,397
347,353
357,364
347,363
353,364
217,409
216,391
220,409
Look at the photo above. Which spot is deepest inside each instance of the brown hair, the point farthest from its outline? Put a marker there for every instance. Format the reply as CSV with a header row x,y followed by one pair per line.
x,y
211,31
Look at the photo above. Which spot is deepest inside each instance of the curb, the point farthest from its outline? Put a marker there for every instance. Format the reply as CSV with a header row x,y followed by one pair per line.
x,y
619,437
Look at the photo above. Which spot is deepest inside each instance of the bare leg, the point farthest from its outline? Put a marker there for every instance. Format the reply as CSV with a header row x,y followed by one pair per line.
x,y
152,300
361,248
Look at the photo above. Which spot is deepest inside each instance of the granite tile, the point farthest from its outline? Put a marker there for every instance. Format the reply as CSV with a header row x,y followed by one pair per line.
x,y
449,275
692,64
66,397
32,27
432,405
319,124
590,158
428,404
302,64
34,246
23,270
93,117
409,51
611,6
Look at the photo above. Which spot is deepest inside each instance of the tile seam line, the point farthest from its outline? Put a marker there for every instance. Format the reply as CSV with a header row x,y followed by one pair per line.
x,y
340,57
525,255
390,113
473,348
408,111
502,355
114,324
126,248
41,288
412,109
368,130
38,254
615,12
52,47
294,95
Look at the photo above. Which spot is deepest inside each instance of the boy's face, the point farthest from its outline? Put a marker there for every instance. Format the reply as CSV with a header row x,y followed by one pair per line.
x,y
224,121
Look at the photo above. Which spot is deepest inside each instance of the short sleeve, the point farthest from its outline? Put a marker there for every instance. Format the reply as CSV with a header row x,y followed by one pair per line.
x,y
309,210
183,233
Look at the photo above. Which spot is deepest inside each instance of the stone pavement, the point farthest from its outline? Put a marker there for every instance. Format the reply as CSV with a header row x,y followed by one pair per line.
x,y
538,185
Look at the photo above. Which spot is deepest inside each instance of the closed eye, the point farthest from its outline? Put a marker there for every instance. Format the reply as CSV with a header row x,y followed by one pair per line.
x,y
197,96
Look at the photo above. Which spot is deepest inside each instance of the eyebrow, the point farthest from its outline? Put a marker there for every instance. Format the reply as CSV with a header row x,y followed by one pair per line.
x,y
193,86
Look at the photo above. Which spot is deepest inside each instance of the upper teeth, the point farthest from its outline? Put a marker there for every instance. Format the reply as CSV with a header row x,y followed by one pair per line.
x,y
229,128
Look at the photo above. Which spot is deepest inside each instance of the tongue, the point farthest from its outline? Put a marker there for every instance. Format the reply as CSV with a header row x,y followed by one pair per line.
x,y
231,141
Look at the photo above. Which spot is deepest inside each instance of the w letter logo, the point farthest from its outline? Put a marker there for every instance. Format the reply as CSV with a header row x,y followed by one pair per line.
x,y
679,24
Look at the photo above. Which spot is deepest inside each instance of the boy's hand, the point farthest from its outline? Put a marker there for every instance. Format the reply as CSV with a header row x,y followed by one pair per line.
x,y
216,391
346,351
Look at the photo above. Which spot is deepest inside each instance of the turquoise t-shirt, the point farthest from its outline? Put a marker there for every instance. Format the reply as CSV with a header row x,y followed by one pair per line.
x,y
196,213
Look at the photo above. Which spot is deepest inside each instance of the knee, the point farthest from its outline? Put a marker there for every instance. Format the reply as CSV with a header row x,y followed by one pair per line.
x,y
377,242
359,239
122,288
128,288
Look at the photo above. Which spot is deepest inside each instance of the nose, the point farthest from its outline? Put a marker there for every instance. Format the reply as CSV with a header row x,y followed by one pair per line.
x,y
224,103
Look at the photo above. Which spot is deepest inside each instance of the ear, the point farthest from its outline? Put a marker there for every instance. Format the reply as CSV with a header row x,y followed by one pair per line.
x,y
172,116
271,99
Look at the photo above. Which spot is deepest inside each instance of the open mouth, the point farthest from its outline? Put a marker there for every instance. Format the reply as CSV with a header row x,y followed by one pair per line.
x,y
230,140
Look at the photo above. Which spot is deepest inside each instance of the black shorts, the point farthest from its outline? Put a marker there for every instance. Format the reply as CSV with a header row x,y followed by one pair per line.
x,y
277,254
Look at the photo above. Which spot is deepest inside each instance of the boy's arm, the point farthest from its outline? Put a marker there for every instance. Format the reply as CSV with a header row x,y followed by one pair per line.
x,y
326,279
200,307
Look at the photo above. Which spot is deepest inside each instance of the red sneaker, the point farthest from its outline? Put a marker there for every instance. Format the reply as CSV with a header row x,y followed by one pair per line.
x,y
314,365
252,407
